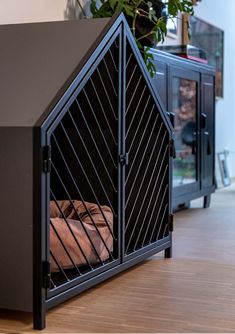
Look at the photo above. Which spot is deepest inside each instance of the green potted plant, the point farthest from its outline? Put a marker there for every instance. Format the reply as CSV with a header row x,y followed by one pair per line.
x,y
147,19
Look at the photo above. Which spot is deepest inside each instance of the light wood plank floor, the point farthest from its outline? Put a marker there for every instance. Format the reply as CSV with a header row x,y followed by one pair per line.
x,y
192,292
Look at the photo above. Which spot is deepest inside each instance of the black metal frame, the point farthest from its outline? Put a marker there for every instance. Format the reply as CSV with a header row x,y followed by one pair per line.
x,y
43,297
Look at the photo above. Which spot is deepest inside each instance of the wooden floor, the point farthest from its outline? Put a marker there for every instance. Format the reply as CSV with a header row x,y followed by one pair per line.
x,y
192,292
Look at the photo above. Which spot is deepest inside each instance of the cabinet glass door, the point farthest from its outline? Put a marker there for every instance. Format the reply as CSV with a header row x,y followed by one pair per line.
x,y
184,105
184,108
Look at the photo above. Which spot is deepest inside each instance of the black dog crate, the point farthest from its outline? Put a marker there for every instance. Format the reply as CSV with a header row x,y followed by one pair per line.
x,y
85,161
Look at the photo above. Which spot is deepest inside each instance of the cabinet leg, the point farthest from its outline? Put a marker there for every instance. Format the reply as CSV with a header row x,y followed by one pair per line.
x,y
168,253
39,320
182,206
187,205
206,202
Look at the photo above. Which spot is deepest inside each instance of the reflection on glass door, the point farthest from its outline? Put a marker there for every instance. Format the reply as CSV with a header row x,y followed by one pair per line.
x,y
184,107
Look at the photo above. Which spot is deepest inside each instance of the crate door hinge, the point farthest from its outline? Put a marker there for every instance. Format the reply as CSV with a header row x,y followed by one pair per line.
x,y
172,148
46,274
171,222
47,159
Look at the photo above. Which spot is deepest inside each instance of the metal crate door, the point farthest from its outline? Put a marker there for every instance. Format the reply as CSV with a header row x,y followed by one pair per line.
x,y
83,208
147,173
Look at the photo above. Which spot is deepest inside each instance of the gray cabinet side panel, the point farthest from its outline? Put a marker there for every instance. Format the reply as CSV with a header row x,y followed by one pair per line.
x,y
16,217
160,82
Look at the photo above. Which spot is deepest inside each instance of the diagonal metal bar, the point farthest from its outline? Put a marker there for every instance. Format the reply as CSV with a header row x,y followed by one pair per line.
x,y
133,94
160,226
146,193
150,201
155,202
106,93
104,113
135,112
129,60
111,80
94,142
113,61
166,230
77,213
116,43
64,247
131,77
140,121
77,188
82,169
159,210
59,267
90,159
140,187
52,284
141,162
101,132
140,143
71,231
143,178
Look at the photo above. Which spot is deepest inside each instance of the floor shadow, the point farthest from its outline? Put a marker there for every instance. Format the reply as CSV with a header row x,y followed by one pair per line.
x,y
16,316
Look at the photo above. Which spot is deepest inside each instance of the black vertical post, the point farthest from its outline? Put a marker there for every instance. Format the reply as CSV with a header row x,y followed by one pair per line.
x,y
123,136
168,252
171,152
119,151
39,224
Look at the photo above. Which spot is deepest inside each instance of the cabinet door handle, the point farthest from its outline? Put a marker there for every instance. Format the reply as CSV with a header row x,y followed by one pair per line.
x,y
203,120
172,117
208,145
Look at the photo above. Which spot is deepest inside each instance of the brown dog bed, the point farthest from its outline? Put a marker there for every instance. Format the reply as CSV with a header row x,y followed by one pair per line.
x,y
86,222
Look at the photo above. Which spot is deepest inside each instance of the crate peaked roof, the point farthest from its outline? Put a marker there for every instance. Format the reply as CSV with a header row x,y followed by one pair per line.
x,y
37,61
40,61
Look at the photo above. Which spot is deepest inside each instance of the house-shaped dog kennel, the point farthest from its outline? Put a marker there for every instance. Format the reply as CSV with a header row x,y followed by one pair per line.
x,y
85,156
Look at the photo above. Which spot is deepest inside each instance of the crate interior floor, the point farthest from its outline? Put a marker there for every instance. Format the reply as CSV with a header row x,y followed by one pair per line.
x,y
192,292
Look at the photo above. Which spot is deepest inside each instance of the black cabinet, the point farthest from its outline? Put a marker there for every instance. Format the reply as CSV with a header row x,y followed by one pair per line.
x,y
186,89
